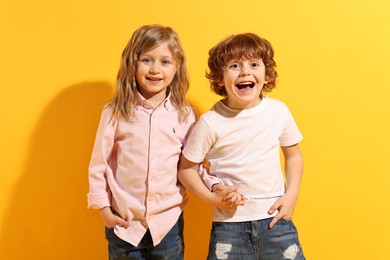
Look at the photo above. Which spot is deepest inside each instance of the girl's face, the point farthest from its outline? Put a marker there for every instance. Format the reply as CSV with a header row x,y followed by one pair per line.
x,y
243,81
154,72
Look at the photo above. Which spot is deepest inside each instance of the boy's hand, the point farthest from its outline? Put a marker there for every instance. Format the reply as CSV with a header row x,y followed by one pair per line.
x,y
230,197
111,220
285,205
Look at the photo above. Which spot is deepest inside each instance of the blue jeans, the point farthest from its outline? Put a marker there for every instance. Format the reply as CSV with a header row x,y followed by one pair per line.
x,y
254,240
171,247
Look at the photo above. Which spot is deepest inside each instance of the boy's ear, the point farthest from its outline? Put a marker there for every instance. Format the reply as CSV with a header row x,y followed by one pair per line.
x,y
266,78
221,84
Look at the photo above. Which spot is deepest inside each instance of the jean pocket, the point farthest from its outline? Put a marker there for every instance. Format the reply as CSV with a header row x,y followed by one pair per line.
x,y
288,220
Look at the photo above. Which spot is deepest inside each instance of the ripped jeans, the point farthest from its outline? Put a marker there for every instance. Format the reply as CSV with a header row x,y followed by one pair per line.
x,y
252,240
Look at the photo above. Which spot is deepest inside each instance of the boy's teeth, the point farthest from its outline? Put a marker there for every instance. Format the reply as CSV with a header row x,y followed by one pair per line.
x,y
245,84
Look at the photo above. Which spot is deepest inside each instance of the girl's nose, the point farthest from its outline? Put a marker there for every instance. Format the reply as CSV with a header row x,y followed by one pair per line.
x,y
154,69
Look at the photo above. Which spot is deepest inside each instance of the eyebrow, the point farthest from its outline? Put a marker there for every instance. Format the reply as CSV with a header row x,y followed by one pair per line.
x,y
163,57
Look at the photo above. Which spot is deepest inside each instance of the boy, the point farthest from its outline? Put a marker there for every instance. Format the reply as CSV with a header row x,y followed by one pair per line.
x,y
241,137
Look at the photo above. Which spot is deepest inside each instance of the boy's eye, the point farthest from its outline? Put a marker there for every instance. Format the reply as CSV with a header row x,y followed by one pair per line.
x,y
255,64
234,66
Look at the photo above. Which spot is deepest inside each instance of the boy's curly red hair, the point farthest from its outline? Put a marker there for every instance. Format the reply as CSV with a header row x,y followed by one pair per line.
x,y
241,46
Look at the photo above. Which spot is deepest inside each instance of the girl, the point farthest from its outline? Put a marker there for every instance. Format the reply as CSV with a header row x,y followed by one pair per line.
x,y
133,169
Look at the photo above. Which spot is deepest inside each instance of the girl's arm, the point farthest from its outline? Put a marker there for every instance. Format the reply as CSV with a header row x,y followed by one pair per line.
x,y
99,194
111,220
294,170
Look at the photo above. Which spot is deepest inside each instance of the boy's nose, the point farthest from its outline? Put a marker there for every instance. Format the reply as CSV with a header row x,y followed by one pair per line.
x,y
245,69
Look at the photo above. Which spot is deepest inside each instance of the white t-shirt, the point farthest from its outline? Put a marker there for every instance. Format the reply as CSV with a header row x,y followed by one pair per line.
x,y
242,147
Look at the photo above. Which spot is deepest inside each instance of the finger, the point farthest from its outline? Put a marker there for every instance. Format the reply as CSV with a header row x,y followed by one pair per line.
x,y
229,196
217,187
274,207
274,220
241,200
229,189
240,203
237,197
233,200
232,197
123,223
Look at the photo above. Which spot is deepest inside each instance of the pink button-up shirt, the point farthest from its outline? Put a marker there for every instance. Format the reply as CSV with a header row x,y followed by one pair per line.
x,y
133,170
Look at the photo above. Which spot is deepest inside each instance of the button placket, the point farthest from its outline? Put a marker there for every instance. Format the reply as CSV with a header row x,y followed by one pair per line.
x,y
153,144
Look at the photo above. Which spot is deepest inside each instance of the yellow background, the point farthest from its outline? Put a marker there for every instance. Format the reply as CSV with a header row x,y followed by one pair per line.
x,y
58,63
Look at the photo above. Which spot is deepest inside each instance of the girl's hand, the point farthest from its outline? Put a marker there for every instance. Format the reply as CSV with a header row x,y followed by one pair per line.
x,y
285,205
111,220
231,198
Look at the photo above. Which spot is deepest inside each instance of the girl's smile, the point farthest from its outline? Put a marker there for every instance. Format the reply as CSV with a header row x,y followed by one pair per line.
x,y
154,72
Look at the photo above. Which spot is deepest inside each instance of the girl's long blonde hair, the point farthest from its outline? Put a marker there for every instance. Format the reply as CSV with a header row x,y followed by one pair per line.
x,y
143,39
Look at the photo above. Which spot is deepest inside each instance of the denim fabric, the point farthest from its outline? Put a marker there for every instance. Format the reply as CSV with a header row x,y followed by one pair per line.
x,y
171,247
254,240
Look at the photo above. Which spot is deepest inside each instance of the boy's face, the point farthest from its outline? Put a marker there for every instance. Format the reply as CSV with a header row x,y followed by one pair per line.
x,y
243,81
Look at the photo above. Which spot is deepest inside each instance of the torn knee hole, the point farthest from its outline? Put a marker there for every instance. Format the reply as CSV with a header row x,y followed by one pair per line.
x,y
291,252
222,250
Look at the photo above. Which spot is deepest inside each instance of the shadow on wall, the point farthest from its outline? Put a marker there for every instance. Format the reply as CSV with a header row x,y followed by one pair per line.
x,y
48,218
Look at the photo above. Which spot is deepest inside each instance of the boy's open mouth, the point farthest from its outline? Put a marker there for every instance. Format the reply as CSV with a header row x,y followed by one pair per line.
x,y
243,85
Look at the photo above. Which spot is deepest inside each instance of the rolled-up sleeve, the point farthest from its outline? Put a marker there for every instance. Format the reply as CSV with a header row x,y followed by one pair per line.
x,y
99,193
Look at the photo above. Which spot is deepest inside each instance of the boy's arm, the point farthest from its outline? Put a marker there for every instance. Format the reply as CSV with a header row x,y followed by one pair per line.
x,y
188,176
294,170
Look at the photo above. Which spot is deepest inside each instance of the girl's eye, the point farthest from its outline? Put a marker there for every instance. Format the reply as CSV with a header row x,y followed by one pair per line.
x,y
146,60
166,62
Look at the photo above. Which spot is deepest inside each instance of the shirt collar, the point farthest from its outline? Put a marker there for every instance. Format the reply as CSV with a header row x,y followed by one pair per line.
x,y
142,102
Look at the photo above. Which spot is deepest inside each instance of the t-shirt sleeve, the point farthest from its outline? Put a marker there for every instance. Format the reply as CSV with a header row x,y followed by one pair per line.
x,y
290,134
196,148
199,142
